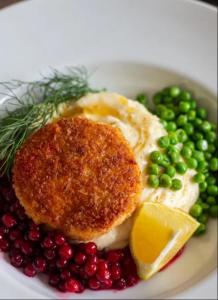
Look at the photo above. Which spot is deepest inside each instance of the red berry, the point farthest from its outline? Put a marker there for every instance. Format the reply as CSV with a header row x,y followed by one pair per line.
x,y
9,221
65,274
74,268
114,256
90,269
132,280
3,232
72,285
49,254
80,258
16,259
54,279
26,247
4,245
34,235
102,273
61,262
107,284
59,239
115,272
47,242
90,248
94,284
66,251
92,259
120,284
15,234
40,264
29,270
18,242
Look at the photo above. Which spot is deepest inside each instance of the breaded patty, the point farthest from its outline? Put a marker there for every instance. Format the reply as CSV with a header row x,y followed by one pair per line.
x,y
77,176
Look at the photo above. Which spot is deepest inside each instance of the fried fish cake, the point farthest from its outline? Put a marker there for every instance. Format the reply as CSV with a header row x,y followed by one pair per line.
x,y
77,176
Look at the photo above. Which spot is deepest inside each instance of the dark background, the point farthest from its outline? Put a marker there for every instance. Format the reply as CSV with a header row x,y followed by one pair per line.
x,y
4,3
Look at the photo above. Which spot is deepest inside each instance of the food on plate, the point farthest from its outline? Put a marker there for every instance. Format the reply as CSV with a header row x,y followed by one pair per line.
x,y
98,190
78,176
142,130
158,233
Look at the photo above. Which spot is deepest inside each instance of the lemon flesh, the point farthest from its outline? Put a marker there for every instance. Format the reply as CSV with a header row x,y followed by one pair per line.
x,y
158,233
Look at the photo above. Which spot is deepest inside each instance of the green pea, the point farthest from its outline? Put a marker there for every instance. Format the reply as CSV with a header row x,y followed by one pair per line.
x,y
211,180
165,181
199,156
202,166
171,126
214,211
203,186
176,184
205,126
211,148
167,114
201,113
192,163
174,91
212,190
197,122
184,106
182,136
164,123
173,138
182,120
181,167
186,152
156,156
160,108
171,171
211,136
213,165
207,155
211,200
200,230
199,177
193,104
164,142
185,96
153,181
157,99
196,210
142,98
203,219
191,115
165,161
189,128
190,144
198,136
154,169
202,145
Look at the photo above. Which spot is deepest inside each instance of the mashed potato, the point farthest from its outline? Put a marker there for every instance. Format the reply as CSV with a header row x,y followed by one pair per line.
x,y
142,130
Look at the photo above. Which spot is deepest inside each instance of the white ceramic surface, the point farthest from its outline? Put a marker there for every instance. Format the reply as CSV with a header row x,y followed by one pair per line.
x,y
128,46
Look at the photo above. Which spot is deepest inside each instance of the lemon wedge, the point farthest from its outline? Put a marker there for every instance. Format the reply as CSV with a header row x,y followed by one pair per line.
x,y
158,233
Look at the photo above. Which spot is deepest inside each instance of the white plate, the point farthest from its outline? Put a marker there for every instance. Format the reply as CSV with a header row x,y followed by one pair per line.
x,y
131,46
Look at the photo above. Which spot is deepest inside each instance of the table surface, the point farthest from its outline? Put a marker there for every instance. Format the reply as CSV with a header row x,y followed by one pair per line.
x,y
4,3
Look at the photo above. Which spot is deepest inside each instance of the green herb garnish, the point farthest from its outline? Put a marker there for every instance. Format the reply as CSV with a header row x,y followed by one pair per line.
x,y
35,107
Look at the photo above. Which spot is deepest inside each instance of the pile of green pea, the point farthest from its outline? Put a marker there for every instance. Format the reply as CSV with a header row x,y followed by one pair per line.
x,y
190,143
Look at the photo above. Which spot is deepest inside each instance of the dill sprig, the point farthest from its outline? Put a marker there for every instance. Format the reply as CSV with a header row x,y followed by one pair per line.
x,y
34,107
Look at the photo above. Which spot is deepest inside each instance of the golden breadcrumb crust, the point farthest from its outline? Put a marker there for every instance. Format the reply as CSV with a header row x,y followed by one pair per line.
x,y
77,176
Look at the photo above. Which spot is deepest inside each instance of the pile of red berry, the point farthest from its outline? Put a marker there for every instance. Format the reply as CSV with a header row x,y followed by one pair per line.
x,y
70,268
